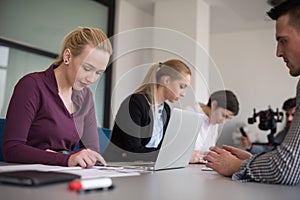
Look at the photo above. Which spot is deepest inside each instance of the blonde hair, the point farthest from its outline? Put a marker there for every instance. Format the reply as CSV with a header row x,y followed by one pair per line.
x,y
77,40
173,68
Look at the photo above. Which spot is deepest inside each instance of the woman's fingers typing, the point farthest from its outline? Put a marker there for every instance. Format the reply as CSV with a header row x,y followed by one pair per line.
x,y
85,158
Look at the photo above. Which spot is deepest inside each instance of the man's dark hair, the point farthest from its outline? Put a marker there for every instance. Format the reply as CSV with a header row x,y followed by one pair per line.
x,y
289,104
225,99
291,7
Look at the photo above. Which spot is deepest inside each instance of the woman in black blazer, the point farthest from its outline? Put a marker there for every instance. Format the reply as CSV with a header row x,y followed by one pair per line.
x,y
143,116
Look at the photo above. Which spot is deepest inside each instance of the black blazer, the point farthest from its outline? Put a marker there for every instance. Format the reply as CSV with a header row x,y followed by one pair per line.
x,y
133,130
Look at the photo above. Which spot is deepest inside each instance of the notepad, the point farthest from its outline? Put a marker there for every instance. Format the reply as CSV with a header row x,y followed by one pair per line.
x,y
35,178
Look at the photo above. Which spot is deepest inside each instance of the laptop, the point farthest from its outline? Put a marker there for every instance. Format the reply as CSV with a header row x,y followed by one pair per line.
x,y
177,146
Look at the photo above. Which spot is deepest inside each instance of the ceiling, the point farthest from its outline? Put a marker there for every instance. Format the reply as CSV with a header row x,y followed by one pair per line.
x,y
227,15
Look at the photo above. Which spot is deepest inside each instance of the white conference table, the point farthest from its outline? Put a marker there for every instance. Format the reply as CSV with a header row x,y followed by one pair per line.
x,y
186,183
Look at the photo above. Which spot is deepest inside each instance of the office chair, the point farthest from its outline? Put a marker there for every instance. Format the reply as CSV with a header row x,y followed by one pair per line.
x,y
104,139
2,122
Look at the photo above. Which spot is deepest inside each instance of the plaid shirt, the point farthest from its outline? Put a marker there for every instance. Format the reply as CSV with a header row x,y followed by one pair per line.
x,y
280,166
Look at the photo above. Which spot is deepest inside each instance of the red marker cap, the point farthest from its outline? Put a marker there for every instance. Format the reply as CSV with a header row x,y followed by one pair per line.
x,y
75,185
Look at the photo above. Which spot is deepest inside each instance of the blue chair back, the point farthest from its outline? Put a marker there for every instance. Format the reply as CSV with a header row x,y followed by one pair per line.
x,y
2,122
104,139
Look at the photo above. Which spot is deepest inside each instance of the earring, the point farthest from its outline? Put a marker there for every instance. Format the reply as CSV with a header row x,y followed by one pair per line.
x,y
66,62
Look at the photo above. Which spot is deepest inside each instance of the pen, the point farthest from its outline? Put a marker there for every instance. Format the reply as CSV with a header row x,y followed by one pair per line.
x,y
90,184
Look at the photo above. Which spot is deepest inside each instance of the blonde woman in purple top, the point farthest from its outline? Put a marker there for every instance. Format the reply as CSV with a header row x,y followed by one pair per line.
x,y
51,111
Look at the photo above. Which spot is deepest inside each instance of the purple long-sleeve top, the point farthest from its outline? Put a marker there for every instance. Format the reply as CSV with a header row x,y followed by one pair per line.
x,y
37,119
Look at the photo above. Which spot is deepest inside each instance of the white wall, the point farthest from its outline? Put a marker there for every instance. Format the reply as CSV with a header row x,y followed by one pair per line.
x,y
249,67
188,39
127,73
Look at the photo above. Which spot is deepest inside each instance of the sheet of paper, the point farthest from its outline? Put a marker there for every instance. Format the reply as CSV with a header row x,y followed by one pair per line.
x,y
94,172
39,167
99,173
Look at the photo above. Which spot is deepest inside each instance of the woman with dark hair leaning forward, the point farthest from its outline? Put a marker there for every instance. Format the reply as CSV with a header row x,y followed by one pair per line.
x,y
222,106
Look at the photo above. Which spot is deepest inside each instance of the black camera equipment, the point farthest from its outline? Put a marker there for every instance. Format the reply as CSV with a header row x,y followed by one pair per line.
x,y
268,120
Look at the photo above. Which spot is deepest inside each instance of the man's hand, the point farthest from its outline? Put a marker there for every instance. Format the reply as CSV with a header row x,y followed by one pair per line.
x,y
239,153
223,161
85,158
